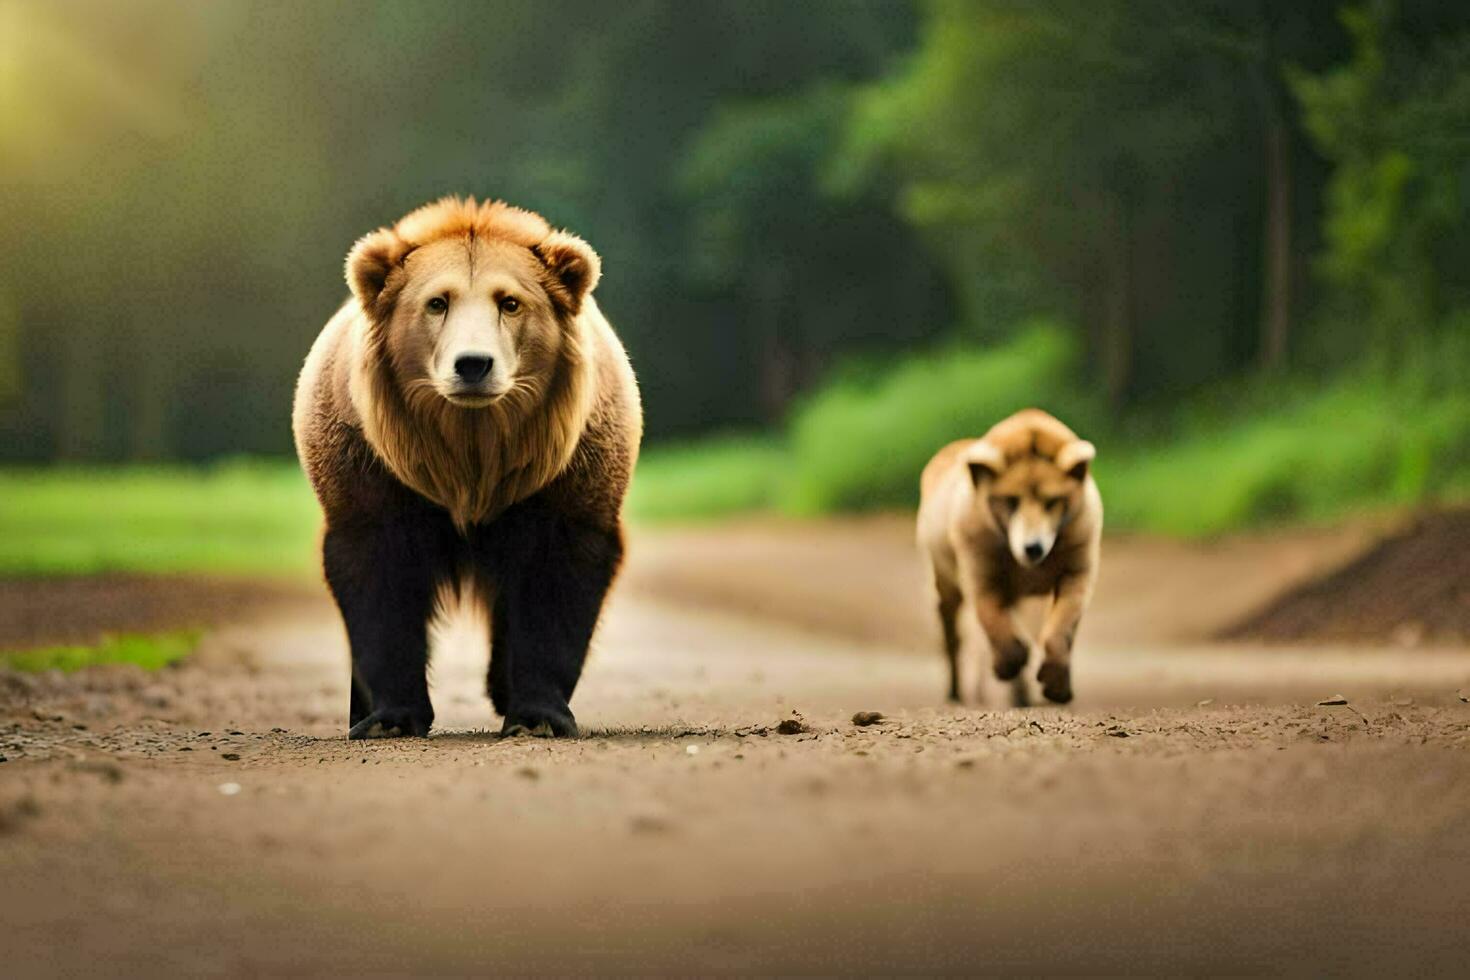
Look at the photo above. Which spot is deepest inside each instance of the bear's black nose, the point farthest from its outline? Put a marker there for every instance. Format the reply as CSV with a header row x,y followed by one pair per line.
x,y
472,368
1034,551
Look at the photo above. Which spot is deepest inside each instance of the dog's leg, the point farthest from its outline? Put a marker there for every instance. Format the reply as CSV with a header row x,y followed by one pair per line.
x,y
948,605
1009,650
1058,634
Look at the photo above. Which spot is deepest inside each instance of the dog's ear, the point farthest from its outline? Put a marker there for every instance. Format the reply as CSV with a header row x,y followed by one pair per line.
x,y
574,267
1075,457
985,461
372,260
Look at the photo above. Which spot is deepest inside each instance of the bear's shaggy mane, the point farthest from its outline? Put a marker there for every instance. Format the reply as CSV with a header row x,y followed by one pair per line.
x,y
474,462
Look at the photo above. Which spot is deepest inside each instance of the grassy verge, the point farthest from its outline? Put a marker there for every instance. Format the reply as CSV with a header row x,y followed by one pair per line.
x,y
707,480
1237,456
240,517
149,652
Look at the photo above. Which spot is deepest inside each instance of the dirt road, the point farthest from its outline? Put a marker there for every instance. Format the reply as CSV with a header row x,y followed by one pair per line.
x,y
1193,810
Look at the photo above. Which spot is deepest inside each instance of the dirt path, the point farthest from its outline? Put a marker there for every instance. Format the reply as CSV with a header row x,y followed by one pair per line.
x,y
1194,810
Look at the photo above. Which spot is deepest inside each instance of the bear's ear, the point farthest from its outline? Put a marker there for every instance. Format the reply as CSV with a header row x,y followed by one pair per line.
x,y
985,461
371,261
572,264
1075,457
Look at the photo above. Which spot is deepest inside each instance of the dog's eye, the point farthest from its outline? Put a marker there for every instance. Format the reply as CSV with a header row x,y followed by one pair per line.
x,y
1053,503
1009,503
438,304
510,305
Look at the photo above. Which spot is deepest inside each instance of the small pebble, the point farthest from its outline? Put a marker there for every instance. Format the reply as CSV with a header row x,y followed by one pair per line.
x,y
229,789
648,823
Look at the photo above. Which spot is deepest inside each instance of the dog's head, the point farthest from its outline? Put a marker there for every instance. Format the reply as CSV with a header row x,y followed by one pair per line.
x,y
1030,495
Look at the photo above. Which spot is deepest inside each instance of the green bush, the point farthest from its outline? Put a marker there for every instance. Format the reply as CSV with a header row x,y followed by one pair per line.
x,y
706,480
861,441
1255,452
1367,440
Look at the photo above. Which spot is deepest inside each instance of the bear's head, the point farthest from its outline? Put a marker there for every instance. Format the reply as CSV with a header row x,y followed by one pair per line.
x,y
472,302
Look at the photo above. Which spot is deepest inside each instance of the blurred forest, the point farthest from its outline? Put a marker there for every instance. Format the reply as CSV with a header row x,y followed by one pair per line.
x,y
795,202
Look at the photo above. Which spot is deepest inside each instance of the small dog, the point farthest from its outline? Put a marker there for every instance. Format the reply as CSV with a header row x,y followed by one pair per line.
x,y
1014,514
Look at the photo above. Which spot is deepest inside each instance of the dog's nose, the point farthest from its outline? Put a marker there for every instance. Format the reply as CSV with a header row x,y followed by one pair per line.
x,y
1034,551
472,368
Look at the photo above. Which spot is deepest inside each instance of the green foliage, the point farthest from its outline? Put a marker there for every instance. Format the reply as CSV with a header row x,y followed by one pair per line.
x,y
1242,454
165,147
150,652
861,441
709,479
256,517
1393,119
1365,441
1100,162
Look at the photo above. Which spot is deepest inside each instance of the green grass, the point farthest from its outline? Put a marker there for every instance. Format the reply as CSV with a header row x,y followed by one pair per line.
x,y
861,441
239,517
148,652
1248,454
1354,446
707,480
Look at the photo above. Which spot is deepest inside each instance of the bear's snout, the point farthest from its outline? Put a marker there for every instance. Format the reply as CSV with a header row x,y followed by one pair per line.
x,y
473,368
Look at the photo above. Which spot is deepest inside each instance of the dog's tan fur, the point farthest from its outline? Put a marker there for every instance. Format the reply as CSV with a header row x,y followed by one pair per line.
x,y
367,369
1027,479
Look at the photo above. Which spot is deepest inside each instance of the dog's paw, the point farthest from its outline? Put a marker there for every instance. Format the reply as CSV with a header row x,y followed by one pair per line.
x,y
1010,661
1056,681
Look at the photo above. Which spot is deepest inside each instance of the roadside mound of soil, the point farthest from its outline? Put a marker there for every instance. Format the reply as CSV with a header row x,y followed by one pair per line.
x,y
39,612
1412,587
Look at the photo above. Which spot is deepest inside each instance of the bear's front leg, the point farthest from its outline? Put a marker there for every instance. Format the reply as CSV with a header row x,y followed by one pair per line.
x,y
551,574
383,577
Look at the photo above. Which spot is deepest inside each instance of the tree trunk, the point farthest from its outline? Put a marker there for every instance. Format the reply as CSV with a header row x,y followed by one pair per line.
x,y
1117,324
1276,289
147,419
1276,244
778,362
9,350
83,408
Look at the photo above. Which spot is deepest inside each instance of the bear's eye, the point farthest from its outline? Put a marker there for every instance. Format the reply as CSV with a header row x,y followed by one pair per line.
x,y
1052,503
1009,503
510,305
438,304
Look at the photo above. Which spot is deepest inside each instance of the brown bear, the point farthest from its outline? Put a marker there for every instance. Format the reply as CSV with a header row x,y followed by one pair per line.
x,y
469,422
